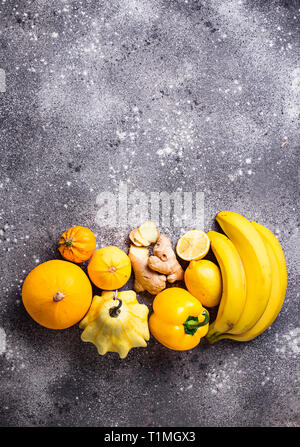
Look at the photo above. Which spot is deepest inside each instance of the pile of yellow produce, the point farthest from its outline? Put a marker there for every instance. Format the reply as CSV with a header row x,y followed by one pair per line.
x,y
248,285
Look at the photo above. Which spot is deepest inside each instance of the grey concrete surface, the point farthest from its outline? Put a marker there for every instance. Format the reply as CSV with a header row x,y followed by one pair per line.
x,y
162,95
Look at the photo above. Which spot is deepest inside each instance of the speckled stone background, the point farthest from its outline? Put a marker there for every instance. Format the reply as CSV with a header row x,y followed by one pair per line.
x,y
163,95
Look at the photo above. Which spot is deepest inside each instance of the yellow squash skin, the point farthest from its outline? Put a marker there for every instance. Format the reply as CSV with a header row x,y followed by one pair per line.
x,y
109,268
278,289
256,263
174,309
77,244
116,322
57,294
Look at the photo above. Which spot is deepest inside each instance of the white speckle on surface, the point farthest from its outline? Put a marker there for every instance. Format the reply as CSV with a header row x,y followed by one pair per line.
x,y
289,342
121,135
165,151
219,381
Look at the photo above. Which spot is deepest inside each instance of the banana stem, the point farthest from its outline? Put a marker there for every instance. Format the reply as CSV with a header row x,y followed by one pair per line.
x,y
216,336
212,339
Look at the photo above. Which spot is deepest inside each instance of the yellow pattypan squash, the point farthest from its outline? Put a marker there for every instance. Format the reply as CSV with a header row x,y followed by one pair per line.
x,y
116,322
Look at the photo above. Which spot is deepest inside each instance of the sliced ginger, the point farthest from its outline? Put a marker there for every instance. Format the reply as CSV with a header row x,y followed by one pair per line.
x,y
136,237
149,231
145,235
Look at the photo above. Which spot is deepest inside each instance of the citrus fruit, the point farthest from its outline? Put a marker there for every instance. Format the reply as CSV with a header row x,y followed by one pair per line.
x,y
193,245
203,280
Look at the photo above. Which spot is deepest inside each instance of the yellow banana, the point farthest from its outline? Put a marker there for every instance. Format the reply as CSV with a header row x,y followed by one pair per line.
x,y
253,254
233,285
278,289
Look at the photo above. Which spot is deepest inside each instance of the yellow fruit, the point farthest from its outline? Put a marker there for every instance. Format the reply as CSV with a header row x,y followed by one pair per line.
x,y
233,285
203,280
278,287
109,268
193,245
257,267
57,294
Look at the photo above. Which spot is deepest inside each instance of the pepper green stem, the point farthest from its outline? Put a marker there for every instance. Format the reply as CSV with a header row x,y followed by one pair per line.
x,y
192,323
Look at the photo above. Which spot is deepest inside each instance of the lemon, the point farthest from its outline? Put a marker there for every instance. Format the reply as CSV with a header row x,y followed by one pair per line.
x,y
193,245
203,280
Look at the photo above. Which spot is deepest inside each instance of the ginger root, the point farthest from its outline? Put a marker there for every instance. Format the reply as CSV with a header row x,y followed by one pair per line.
x,y
145,235
145,278
165,261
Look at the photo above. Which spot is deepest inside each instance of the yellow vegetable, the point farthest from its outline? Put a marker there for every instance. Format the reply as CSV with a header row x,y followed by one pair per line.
x,y
178,320
77,244
109,268
116,322
57,294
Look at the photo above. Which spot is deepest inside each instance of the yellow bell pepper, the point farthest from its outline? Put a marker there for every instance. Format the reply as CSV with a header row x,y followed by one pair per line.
x,y
178,320
116,322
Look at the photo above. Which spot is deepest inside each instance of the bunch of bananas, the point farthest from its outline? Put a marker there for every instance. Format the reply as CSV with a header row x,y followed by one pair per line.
x,y
254,278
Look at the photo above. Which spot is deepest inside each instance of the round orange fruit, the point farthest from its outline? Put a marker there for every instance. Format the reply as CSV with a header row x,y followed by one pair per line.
x,y
109,268
77,244
57,294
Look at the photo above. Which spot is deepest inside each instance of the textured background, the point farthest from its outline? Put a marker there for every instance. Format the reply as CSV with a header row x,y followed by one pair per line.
x,y
162,95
